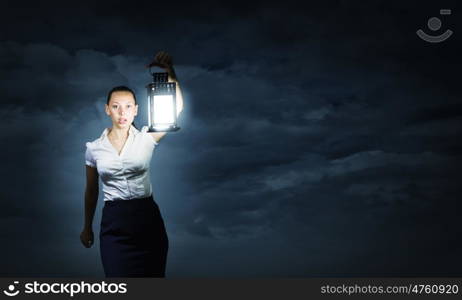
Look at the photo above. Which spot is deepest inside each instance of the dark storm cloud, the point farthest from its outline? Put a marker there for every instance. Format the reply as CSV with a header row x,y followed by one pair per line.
x,y
313,137
47,77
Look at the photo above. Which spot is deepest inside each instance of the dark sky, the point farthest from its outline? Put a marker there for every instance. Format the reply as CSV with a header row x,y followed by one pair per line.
x,y
320,139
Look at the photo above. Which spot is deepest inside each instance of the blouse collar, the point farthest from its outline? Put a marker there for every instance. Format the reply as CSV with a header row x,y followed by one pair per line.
x,y
131,131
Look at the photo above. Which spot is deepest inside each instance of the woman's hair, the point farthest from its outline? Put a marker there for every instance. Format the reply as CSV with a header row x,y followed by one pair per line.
x,y
121,88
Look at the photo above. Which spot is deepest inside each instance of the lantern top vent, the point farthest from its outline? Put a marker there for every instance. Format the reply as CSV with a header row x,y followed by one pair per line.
x,y
160,77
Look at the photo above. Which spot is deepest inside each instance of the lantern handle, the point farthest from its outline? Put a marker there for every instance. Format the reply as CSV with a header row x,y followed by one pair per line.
x,y
150,72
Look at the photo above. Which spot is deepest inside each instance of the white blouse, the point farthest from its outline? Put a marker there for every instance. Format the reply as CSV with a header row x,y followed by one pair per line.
x,y
124,176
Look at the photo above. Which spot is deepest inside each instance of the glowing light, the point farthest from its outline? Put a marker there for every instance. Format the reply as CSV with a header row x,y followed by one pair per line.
x,y
163,109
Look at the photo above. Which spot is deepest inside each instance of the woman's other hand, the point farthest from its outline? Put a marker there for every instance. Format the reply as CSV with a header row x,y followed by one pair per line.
x,y
86,237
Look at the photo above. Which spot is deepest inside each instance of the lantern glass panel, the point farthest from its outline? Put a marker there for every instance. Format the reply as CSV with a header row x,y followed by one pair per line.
x,y
163,109
162,104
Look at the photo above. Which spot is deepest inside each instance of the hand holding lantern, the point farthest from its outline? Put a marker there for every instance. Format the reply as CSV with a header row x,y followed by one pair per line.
x,y
163,60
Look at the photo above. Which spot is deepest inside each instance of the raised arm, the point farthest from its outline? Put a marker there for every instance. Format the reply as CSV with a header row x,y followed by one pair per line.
x,y
164,60
179,96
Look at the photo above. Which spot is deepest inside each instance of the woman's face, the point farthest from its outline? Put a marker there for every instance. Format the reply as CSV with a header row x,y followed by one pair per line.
x,y
122,109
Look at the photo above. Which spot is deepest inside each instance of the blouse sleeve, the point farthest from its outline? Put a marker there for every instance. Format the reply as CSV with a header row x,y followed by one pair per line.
x,y
89,160
144,130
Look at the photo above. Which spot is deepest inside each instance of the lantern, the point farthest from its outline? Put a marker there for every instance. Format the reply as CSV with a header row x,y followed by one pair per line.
x,y
161,103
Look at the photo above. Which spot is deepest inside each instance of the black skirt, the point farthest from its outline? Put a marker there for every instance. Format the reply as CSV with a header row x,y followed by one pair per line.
x,y
133,239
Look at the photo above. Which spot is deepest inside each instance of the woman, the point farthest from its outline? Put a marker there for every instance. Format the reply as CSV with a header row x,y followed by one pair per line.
x,y
133,239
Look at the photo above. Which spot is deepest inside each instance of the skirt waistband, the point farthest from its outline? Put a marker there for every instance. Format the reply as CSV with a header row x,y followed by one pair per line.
x,y
132,201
